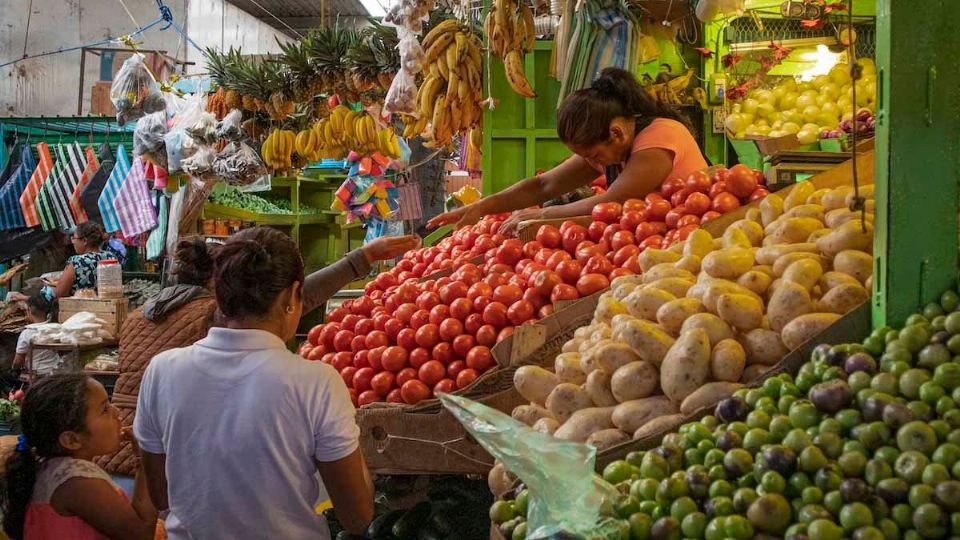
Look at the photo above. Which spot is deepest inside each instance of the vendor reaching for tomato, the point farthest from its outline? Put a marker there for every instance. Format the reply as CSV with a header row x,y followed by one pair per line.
x,y
615,127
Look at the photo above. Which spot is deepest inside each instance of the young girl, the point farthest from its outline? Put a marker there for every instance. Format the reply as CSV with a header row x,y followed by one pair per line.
x,y
39,311
52,489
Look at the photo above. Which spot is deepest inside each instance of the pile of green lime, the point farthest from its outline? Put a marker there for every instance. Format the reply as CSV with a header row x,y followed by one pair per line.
x,y
863,444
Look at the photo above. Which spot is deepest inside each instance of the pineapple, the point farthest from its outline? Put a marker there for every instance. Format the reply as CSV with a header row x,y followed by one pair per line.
x,y
295,58
279,88
328,47
373,58
222,68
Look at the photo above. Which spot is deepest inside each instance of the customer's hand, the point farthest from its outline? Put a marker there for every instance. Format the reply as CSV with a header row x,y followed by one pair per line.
x,y
462,217
509,227
389,247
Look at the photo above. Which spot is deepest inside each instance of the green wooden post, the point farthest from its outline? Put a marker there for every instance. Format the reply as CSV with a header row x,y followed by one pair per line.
x,y
917,157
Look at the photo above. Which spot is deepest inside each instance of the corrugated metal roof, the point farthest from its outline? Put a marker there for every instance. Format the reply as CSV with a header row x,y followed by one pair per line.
x,y
301,15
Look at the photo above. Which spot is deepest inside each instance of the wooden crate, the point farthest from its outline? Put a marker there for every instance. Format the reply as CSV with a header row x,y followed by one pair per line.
x,y
100,104
111,310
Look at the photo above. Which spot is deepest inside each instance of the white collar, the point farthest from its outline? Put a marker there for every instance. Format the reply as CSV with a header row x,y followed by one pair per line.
x,y
241,339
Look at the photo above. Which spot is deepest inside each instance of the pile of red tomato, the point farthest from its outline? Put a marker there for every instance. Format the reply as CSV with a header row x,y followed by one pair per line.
x,y
405,341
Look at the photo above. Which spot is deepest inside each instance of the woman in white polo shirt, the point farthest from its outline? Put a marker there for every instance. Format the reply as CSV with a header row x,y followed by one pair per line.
x,y
234,428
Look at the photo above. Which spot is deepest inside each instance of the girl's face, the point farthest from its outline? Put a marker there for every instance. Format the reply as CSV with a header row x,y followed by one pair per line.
x,y
613,150
102,434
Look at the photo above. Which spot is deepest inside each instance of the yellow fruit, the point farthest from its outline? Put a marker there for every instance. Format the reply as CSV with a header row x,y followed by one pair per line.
x,y
516,77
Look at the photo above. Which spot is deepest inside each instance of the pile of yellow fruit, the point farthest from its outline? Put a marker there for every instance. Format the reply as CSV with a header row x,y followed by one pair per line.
x,y
345,130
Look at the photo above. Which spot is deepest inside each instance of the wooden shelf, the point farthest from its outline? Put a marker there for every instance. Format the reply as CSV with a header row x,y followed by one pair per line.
x,y
314,219
216,210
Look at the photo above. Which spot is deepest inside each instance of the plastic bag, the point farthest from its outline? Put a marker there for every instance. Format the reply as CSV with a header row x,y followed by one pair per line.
x,y
412,55
229,128
201,162
402,96
708,10
565,495
148,138
377,228
238,165
264,183
134,91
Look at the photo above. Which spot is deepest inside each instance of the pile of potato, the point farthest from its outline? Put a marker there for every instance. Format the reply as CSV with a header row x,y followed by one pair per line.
x,y
705,317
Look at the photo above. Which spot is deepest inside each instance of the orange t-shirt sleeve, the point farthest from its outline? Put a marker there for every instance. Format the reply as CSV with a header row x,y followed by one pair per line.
x,y
675,137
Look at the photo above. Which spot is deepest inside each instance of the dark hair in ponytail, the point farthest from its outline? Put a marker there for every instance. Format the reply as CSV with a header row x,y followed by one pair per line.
x,y
194,262
585,115
252,268
52,406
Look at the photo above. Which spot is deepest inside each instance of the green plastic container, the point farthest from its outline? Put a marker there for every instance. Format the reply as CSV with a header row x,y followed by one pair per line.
x,y
747,153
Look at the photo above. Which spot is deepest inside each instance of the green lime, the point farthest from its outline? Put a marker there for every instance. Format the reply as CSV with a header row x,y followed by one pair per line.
x,y
854,446
930,521
932,310
720,488
773,482
921,494
743,498
910,465
804,415
914,337
692,456
944,405
918,436
720,506
640,525
946,454
941,428
949,301
902,515
812,512
715,456
716,529
911,381
771,513
797,483
738,462
812,459
627,506
520,533
933,355
644,489
694,525
783,406
502,512
868,533
830,443
824,529
854,516
833,501
874,345
889,529
635,458
654,466
649,507
954,342
617,471
920,410
934,474
738,528
887,453
780,426
758,419
765,404
852,464
682,507
952,417
812,495
797,440
858,380
522,503
877,470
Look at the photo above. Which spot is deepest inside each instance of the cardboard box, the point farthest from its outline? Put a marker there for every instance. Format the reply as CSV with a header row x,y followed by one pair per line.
x,y
111,310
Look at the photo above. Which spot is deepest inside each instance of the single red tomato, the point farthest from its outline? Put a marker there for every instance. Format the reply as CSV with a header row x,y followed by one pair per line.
x,y
480,358
420,318
363,306
569,272
316,353
725,202
394,396
622,238
671,186
455,368
548,236
707,216
407,338
362,379
684,232
462,344
595,230
624,253
535,297
405,312
697,204
719,173
350,321
545,311
509,253
699,181
660,227
565,226
419,356
634,205
540,258
505,332
572,237
649,198
342,340
657,210
375,356
564,291
358,343
450,328
427,300
558,257
465,377
507,294
584,252
592,283
630,220
406,374
443,352
607,212
758,193
452,291
644,230
480,303
717,189
341,360
545,281
651,241
414,392
608,233
336,315
598,264
496,314
461,308
761,178
688,220
427,335
673,216
633,263
520,312
445,386
439,313
382,383
380,321
367,397
313,336
486,336
479,289
531,248
473,323
431,372
619,272
393,328
680,197
741,181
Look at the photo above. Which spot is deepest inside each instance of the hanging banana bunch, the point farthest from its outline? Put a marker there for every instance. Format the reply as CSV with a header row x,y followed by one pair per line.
x,y
278,148
511,34
345,130
448,100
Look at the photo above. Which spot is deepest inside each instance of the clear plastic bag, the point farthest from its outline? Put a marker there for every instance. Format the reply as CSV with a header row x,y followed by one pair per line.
x,y
238,165
148,138
412,55
201,162
402,96
179,142
565,494
229,128
134,91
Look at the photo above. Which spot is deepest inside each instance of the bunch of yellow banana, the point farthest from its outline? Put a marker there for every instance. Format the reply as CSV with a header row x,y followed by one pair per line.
x,y
345,130
511,33
277,150
449,97
308,145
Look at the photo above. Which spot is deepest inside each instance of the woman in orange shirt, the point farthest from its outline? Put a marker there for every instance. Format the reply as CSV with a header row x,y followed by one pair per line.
x,y
614,127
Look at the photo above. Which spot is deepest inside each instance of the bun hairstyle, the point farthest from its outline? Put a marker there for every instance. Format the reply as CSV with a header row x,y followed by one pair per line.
x,y
53,405
252,268
91,233
194,262
584,116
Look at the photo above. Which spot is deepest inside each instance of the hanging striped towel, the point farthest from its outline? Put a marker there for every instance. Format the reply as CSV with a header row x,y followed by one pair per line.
x,y
89,170
28,199
11,215
133,206
44,202
92,191
158,235
120,171
56,195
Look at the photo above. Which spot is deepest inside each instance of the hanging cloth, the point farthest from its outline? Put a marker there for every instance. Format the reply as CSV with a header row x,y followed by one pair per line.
x,y
56,194
11,215
133,205
89,170
120,171
28,199
90,193
14,159
158,235
44,202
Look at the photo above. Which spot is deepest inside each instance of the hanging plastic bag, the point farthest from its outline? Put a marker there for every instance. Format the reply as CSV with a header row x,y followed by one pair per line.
x,y
565,494
134,91
708,10
201,162
412,54
264,183
238,165
229,128
148,138
402,96
203,129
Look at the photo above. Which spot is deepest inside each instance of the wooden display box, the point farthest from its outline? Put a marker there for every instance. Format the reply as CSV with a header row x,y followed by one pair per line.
x,y
111,310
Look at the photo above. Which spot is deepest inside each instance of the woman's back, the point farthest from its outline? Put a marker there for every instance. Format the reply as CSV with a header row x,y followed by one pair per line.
x,y
242,422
